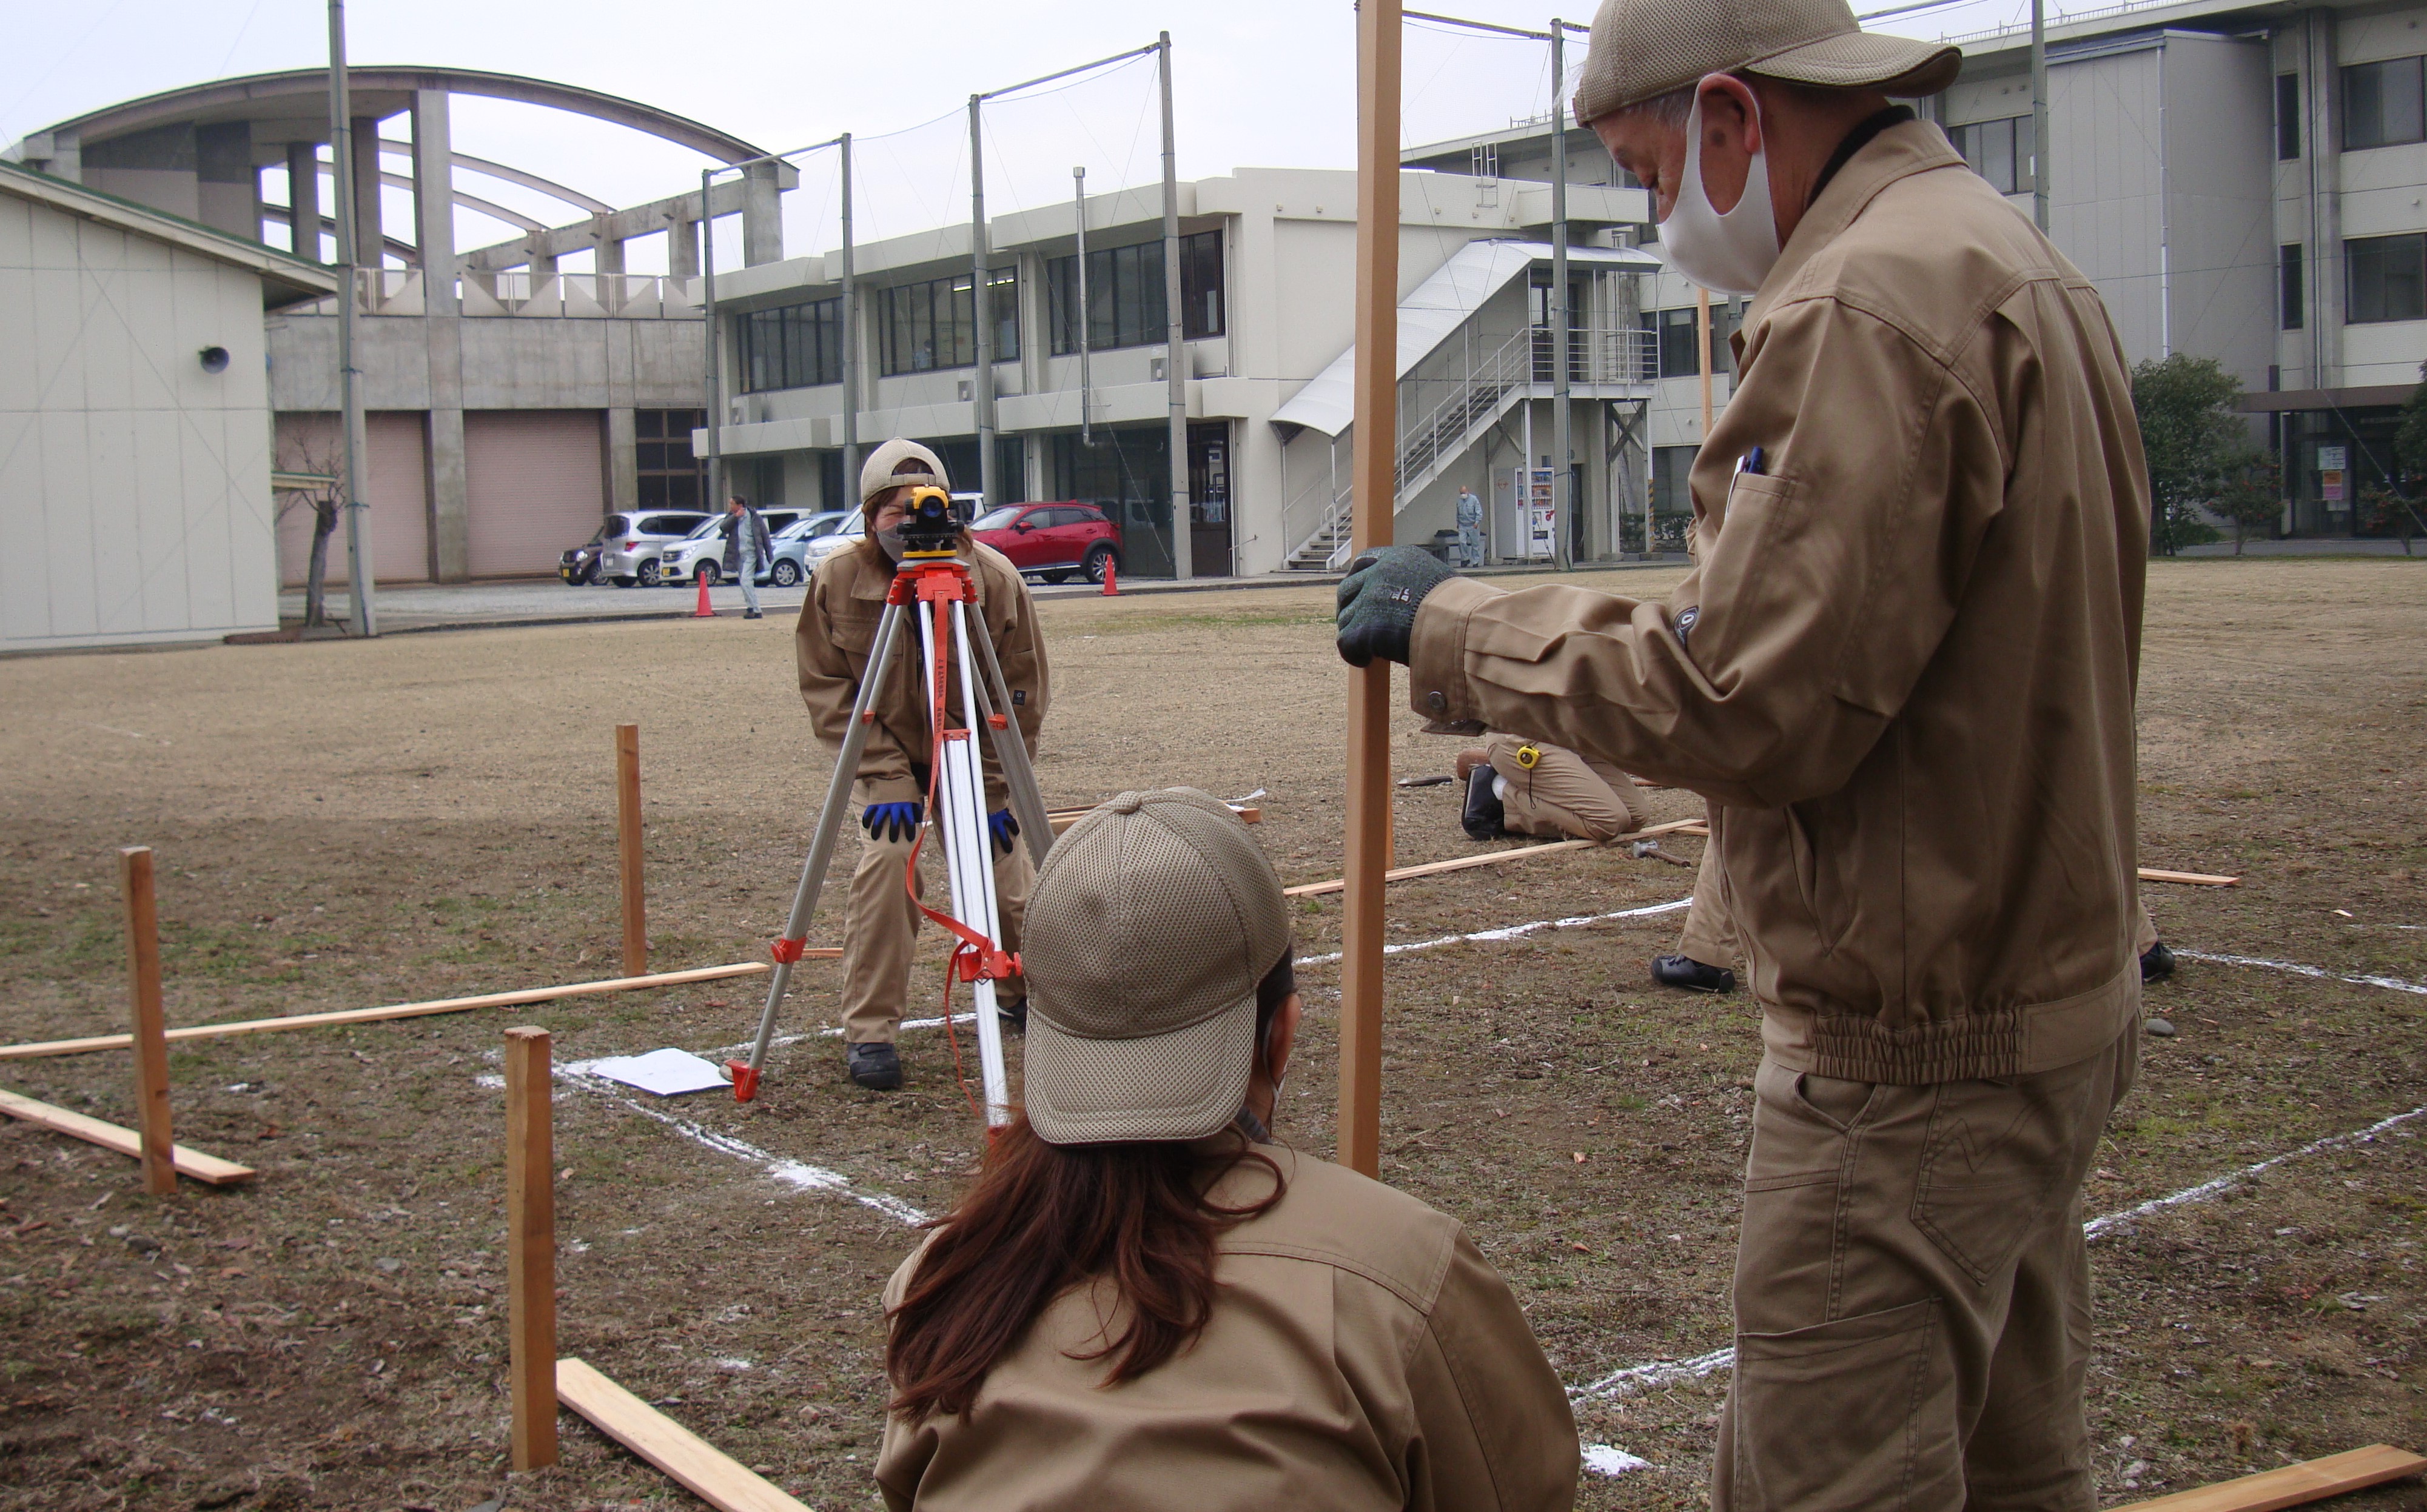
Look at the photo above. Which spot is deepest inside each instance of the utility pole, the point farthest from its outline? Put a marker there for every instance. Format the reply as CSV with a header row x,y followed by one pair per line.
x,y
359,562
714,387
1079,317
2038,116
1563,500
850,342
981,308
1174,362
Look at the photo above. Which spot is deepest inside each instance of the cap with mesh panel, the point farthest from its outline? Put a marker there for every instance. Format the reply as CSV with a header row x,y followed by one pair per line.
x,y
884,469
1152,920
1642,49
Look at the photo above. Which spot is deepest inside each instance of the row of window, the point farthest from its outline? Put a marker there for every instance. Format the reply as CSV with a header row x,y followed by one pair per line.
x,y
932,325
2000,152
2384,105
2385,278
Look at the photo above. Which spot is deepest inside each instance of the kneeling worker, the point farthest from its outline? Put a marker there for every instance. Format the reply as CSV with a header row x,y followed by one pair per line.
x,y
832,644
1515,786
1144,1302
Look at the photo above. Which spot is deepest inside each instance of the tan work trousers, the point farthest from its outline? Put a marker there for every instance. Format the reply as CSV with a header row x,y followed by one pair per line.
x,y
1562,794
1912,1293
880,931
1710,933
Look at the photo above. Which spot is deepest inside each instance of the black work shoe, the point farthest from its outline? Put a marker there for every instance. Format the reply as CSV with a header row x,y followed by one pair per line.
x,y
1692,975
1484,810
878,1067
2156,963
752,614
1013,1016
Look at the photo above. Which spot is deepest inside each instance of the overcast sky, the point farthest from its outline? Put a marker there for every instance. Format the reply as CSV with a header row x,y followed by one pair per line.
x,y
1264,82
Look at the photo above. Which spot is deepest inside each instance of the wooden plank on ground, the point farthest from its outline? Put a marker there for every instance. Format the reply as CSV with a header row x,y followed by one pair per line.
x,y
1490,858
1064,818
409,1010
201,1167
2197,879
2310,1481
713,1476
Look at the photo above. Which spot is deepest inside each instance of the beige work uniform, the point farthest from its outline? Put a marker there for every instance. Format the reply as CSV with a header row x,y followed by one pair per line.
x,y
831,642
1561,794
1361,1355
1903,671
1709,935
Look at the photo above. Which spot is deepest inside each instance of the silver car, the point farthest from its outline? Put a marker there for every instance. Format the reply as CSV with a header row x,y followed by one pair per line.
x,y
628,544
701,554
790,566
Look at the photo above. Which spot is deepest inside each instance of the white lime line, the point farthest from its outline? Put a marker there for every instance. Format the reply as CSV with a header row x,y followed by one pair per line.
x,y
2316,973
1511,932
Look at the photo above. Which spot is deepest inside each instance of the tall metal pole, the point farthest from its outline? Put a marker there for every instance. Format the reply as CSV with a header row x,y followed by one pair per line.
x,y
981,308
2038,116
713,382
850,343
358,555
1086,378
1369,687
1175,361
1563,502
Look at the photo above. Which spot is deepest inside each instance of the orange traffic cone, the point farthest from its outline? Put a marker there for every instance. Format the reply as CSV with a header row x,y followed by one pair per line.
x,y
703,612
1112,571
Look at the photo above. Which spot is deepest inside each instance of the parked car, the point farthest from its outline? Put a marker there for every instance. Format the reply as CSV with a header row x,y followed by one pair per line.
x,y
1053,541
849,532
701,554
791,563
625,546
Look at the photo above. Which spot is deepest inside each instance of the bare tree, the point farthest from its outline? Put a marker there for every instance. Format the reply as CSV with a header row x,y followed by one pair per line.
x,y
316,452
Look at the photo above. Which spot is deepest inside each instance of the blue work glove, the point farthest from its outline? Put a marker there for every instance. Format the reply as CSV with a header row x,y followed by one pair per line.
x,y
1378,601
1005,828
890,821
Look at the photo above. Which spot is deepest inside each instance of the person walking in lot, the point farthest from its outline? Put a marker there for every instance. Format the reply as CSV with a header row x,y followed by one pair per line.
x,y
1904,673
1470,528
748,548
831,642
1144,1301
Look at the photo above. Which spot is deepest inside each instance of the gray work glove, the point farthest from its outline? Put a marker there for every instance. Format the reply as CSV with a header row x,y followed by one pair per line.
x,y
1378,601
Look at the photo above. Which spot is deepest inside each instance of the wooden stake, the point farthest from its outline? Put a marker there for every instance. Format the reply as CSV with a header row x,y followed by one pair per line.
x,y
2197,879
627,846
151,1027
2309,1480
1376,485
127,1142
531,1246
409,1010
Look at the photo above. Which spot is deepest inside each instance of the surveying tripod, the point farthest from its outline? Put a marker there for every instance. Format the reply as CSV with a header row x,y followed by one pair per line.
x,y
934,587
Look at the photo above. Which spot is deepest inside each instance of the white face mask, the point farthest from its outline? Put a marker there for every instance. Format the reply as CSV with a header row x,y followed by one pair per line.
x,y
1727,254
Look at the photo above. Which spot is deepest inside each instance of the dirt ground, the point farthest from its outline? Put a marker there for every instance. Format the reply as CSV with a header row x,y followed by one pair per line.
x,y
339,825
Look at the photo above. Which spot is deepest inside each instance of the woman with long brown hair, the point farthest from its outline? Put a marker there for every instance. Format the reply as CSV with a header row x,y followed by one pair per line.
x,y
1143,1302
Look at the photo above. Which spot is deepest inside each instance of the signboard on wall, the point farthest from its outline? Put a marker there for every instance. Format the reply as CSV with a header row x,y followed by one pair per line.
x,y
2331,462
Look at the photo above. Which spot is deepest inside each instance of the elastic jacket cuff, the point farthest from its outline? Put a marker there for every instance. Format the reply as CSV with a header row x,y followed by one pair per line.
x,y
903,790
1437,649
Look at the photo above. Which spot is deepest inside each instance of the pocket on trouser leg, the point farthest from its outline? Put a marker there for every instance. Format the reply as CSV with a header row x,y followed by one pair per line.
x,y
1993,1155
1858,1414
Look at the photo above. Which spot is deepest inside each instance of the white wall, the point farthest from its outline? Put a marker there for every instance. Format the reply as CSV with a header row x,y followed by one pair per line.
x,y
134,486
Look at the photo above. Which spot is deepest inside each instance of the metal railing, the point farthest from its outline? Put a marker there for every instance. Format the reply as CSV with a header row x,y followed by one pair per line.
x,y
551,295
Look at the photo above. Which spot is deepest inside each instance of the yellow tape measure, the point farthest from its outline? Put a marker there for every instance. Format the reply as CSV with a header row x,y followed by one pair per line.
x,y
1527,755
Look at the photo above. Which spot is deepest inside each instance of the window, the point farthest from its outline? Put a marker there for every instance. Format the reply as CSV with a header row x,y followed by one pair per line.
x,y
1670,467
2384,103
1125,294
671,477
2387,278
2289,299
798,345
1998,150
1675,331
2288,117
931,325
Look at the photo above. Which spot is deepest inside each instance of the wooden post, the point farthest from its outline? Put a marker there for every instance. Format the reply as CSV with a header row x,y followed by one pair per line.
x,y
627,848
1375,486
150,1029
531,1246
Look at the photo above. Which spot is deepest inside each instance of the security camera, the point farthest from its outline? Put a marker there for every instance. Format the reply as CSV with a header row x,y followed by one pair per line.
x,y
215,359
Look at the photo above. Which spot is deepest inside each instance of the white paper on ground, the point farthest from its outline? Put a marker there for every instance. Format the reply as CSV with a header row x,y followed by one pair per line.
x,y
1604,1460
668,1072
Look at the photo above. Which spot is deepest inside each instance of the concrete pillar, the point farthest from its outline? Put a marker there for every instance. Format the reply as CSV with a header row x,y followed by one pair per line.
x,y
762,222
434,201
450,521
303,198
370,237
682,248
2321,138
542,262
623,460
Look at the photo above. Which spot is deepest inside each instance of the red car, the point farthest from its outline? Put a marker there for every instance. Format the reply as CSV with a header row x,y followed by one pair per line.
x,y
1053,541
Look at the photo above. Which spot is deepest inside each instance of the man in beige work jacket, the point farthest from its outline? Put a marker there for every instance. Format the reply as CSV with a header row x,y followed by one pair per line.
x,y
837,630
1902,673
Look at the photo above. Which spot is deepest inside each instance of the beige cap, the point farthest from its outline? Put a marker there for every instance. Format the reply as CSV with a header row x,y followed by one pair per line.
x,y
1642,49
1152,920
881,471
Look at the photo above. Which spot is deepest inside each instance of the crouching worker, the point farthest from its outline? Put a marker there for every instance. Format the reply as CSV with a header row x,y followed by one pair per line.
x,y
1515,786
1144,1302
832,644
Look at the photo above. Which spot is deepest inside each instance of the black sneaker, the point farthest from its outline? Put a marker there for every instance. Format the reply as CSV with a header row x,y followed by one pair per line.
x,y
878,1067
2156,963
752,614
1013,1016
1692,975
1484,810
